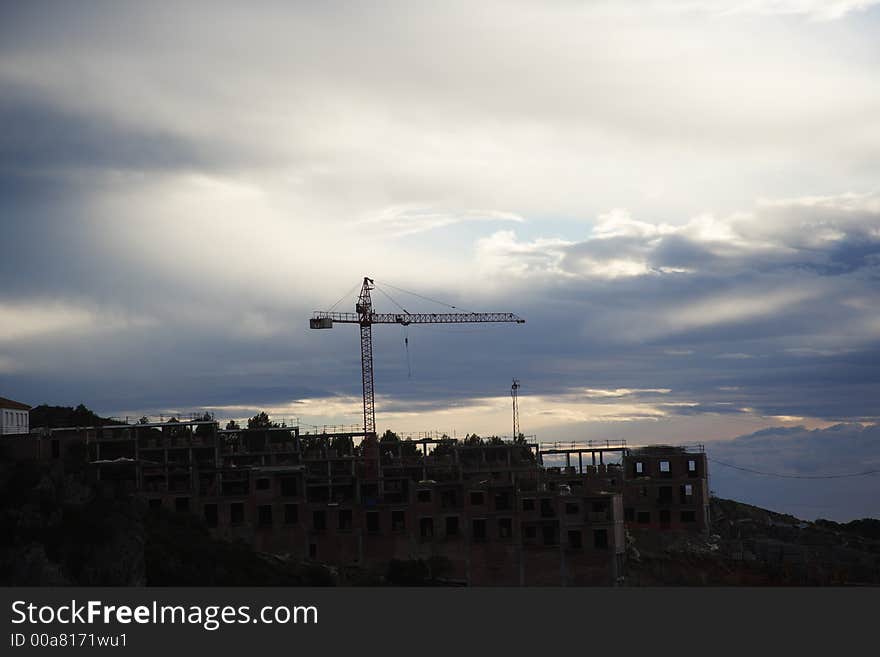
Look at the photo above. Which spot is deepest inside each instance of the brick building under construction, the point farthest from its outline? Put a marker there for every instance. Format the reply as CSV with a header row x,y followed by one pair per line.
x,y
497,512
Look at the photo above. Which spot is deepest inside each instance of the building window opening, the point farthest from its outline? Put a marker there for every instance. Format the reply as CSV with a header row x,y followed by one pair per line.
x,y
505,527
264,515
319,521
426,527
452,526
600,539
479,530
664,466
210,512
373,522
447,499
291,514
344,520
288,487
236,513
575,539
398,521
502,501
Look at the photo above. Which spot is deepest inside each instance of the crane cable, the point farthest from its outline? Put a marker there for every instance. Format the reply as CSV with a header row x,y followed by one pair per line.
x,y
794,476
390,298
432,329
421,296
403,327
344,297
406,347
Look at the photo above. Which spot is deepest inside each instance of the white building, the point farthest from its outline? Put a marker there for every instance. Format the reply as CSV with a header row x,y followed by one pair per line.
x,y
14,417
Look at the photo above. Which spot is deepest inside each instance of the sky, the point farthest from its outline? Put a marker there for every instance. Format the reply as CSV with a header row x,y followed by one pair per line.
x,y
681,198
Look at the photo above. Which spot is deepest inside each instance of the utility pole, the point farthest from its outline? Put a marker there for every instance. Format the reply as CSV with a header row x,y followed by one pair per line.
x,y
513,394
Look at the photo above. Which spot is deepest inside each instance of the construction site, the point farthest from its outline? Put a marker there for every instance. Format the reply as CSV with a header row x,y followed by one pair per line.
x,y
496,511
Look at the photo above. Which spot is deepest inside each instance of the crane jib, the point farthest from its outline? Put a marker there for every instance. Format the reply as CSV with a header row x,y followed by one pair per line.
x,y
327,319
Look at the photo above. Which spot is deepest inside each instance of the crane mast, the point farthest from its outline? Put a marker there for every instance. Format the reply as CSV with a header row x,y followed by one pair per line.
x,y
364,309
365,318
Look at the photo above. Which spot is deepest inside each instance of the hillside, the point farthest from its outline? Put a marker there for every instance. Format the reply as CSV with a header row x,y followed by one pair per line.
x,y
56,530
749,545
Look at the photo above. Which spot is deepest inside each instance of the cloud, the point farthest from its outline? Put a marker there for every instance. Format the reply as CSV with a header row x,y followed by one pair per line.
x,y
798,452
55,320
402,221
180,199
814,9
833,234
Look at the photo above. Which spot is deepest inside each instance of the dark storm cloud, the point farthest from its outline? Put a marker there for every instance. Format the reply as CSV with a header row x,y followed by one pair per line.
x,y
40,138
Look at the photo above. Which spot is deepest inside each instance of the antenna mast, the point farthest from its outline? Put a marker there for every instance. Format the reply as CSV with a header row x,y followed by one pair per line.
x,y
513,393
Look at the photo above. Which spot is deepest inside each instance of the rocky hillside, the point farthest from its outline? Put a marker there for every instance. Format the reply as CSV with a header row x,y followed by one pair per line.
x,y
748,545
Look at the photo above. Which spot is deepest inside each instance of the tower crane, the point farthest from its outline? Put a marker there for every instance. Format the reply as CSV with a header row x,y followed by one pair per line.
x,y
365,317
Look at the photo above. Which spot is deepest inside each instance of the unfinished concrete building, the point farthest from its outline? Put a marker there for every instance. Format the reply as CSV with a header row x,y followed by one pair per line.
x,y
494,511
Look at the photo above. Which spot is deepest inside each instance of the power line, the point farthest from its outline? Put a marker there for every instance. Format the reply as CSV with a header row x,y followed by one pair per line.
x,y
794,476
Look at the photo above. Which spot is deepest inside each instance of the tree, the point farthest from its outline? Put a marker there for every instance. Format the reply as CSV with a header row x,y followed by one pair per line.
x,y
232,425
444,447
341,444
205,429
389,437
261,421
472,439
144,420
